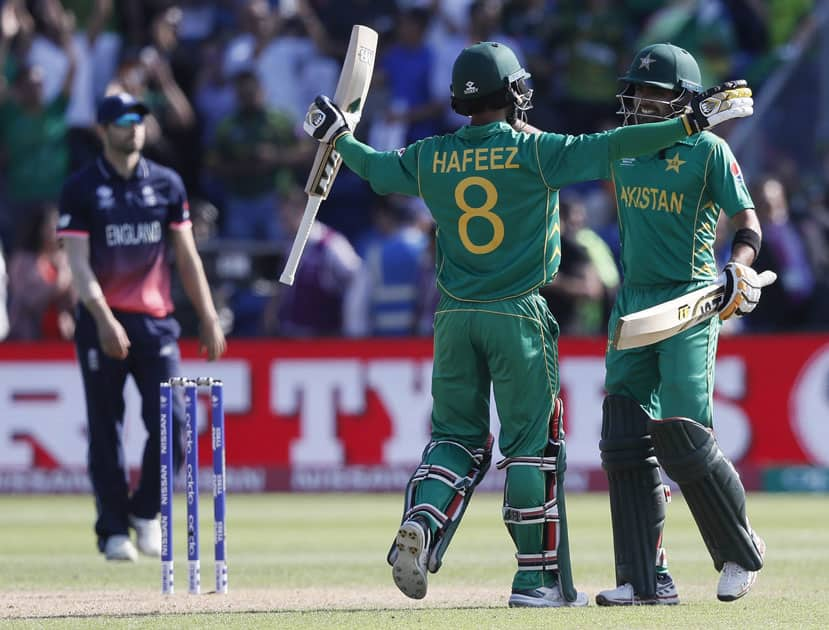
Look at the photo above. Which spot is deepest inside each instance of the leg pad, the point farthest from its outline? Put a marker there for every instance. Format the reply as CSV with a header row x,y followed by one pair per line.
x,y
712,488
637,497
535,511
440,489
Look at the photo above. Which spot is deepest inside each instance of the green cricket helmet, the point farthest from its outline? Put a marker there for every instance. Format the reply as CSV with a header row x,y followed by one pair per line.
x,y
663,66
488,75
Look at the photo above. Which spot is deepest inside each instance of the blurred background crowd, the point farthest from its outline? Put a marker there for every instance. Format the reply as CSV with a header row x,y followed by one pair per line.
x,y
228,82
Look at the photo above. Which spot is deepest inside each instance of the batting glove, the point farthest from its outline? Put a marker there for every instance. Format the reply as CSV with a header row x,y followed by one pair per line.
x,y
728,100
326,122
742,289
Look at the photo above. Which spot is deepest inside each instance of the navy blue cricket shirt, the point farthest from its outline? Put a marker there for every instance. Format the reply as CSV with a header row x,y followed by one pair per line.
x,y
127,222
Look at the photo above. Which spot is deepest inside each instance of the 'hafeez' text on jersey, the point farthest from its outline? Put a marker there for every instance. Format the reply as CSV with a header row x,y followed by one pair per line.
x,y
126,221
668,207
493,193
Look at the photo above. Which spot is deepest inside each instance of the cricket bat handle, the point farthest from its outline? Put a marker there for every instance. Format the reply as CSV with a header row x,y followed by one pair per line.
x,y
300,239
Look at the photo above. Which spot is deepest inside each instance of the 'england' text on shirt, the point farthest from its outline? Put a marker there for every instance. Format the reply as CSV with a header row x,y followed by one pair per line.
x,y
481,159
648,198
133,234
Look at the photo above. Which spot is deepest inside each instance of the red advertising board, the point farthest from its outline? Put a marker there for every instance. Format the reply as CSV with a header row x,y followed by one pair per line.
x,y
343,414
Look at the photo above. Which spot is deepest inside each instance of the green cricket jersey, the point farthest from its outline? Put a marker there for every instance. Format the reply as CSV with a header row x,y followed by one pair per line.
x,y
493,193
668,207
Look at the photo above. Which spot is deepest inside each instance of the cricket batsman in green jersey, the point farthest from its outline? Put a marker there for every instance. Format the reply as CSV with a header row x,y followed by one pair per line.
x,y
493,192
658,409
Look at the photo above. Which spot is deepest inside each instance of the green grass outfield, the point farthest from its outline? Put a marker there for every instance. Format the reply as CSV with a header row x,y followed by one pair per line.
x,y
318,561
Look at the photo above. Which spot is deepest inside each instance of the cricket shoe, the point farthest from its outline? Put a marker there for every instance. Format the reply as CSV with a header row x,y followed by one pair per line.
x,y
735,581
666,594
147,535
544,597
409,569
120,547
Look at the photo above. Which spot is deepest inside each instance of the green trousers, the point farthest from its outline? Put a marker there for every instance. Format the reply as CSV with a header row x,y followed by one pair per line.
x,y
511,347
671,378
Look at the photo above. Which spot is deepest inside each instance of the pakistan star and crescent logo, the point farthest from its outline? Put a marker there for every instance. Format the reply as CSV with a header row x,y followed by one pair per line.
x,y
646,61
674,163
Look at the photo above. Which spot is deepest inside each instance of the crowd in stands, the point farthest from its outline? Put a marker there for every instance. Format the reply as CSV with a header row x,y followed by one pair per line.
x,y
228,82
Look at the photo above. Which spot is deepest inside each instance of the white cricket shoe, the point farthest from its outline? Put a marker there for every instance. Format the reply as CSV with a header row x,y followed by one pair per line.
x,y
666,594
120,547
544,597
409,569
147,535
735,581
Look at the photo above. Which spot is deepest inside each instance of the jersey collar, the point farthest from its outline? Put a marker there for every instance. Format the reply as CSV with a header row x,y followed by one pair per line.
x,y
691,140
108,172
477,132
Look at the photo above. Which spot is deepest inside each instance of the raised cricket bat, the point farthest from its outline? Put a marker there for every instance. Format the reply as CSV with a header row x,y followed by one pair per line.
x,y
665,320
350,96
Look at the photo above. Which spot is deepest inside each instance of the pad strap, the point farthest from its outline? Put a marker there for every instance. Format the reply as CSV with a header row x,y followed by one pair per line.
x,y
438,517
531,515
544,463
545,561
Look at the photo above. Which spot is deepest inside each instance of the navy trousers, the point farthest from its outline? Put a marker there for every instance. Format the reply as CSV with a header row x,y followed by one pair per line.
x,y
153,357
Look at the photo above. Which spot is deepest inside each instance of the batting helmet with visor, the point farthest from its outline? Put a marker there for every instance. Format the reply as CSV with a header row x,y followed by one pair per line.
x,y
489,76
663,66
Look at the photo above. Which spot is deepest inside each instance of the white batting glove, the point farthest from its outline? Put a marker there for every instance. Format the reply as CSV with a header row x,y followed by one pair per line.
x,y
728,100
326,122
742,289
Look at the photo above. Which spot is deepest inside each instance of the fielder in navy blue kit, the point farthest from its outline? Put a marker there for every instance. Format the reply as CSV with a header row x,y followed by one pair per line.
x,y
123,220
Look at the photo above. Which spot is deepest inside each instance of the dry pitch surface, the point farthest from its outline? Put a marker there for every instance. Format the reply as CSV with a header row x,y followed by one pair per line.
x,y
120,602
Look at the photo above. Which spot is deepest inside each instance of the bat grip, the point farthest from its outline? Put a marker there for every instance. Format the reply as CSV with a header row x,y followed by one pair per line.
x,y
300,240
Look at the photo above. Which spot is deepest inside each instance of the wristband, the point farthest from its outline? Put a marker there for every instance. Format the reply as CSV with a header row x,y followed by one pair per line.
x,y
749,237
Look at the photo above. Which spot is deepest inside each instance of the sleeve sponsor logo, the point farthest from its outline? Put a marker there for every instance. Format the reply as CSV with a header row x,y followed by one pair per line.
x,y
736,173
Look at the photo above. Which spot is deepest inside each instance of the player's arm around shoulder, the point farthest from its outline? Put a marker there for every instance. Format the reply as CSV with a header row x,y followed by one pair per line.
x,y
522,126
194,280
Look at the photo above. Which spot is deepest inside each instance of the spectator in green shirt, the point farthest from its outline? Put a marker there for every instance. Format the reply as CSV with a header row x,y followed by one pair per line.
x,y
33,147
253,153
